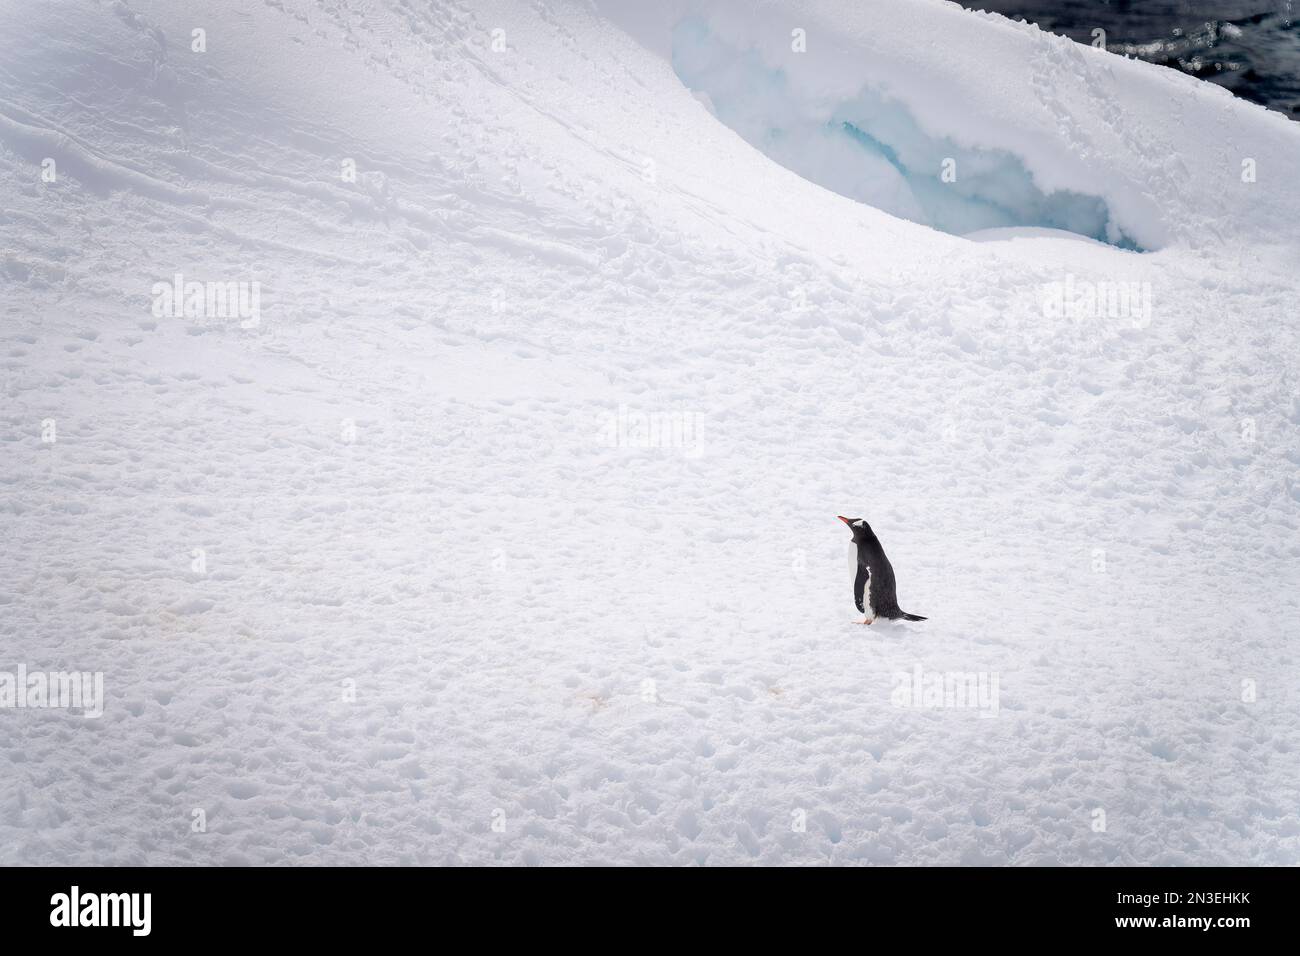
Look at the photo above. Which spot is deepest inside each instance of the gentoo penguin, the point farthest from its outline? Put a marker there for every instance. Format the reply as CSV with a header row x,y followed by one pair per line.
x,y
874,568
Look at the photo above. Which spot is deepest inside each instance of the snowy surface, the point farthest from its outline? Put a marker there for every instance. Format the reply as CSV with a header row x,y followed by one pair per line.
x,y
507,533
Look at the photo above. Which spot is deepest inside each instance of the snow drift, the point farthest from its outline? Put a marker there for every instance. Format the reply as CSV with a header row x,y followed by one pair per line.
x,y
870,148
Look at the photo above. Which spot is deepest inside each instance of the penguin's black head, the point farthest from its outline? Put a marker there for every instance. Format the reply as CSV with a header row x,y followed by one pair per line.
x,y
861,530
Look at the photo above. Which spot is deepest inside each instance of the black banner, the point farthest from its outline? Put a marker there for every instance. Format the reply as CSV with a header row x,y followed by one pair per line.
x,y
337,906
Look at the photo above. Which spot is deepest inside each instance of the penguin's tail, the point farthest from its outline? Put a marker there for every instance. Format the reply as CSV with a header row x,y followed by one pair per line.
x,y
913,617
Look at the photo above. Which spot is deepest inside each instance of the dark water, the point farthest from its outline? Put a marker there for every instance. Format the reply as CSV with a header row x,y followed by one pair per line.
x,y
1250,48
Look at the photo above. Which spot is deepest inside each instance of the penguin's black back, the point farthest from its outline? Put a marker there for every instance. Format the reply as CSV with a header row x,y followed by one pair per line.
x,y
883,589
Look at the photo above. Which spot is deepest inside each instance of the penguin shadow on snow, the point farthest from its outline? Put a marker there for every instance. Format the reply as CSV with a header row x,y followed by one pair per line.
x,y
875,591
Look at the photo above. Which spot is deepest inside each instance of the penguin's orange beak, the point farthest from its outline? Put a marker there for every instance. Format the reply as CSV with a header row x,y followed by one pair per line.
x,y
844,519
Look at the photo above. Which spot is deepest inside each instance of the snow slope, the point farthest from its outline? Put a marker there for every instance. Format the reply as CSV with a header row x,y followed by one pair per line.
x,y
506,531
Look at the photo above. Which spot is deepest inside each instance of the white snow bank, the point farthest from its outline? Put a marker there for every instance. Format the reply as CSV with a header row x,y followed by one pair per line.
x,y
871,149
869,99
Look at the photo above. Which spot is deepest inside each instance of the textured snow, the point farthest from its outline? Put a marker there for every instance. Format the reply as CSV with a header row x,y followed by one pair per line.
x,y
507,532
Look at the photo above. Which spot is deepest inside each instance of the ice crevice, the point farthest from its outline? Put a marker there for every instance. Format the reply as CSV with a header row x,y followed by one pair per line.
x,y
870,148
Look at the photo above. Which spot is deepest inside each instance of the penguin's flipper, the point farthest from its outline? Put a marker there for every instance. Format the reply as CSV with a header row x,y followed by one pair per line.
x,y
859,583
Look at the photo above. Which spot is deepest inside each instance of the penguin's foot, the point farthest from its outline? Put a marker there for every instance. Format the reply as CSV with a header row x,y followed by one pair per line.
x,y
867,620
